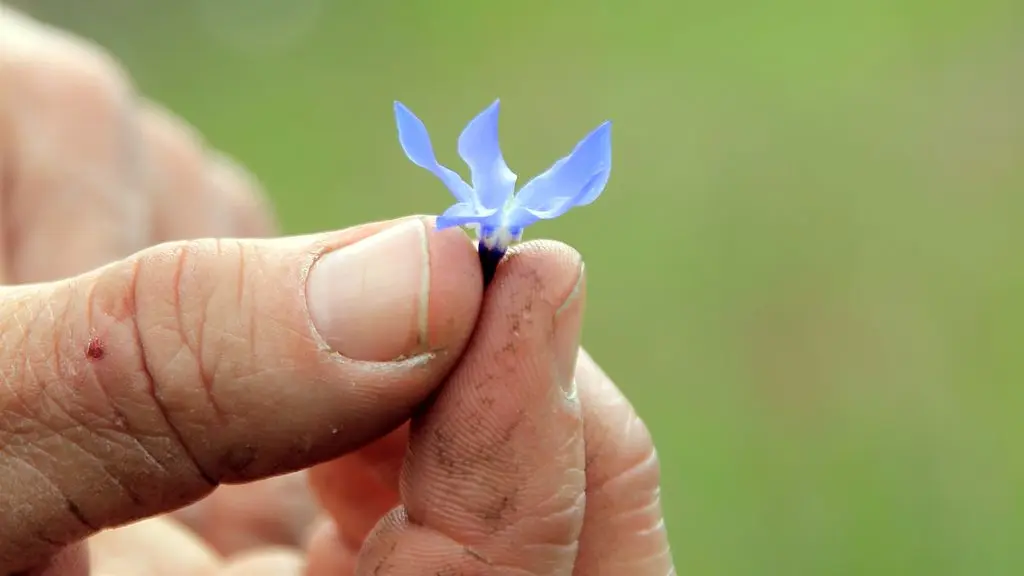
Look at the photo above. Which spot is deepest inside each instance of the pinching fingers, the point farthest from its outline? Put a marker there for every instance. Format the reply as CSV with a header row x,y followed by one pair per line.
x,y
496,464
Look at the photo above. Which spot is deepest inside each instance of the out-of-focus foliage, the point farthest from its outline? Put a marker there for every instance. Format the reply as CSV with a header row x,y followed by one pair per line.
x,y
806,271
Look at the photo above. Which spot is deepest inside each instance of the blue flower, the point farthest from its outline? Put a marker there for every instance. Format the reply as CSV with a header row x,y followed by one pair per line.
x,y
490,204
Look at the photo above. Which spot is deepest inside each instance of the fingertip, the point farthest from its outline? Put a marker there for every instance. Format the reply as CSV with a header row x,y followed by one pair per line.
x,y
501,447
550,267
455,287
399,546
544,279
402,291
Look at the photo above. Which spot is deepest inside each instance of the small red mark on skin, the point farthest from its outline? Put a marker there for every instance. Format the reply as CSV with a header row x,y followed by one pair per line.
x,y
95,351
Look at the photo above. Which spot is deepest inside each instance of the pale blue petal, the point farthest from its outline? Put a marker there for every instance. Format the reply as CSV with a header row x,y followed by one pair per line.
x,y
594,188
415,141
575,180
493,182
462,214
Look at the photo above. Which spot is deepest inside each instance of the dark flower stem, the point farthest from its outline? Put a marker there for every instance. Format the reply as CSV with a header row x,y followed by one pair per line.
x,y
489,258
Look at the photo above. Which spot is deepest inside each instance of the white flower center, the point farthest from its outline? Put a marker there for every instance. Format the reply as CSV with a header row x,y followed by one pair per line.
x,y
499,238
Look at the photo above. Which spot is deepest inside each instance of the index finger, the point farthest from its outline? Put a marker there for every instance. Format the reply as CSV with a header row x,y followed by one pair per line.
x,y
496,465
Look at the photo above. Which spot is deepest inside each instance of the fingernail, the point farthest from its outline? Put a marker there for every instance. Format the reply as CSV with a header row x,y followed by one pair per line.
x,y
368,300
568,331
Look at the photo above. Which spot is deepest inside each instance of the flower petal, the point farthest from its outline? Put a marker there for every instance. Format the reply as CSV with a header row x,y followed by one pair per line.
x,y
463,214
594,188
575,180
415,141
493,182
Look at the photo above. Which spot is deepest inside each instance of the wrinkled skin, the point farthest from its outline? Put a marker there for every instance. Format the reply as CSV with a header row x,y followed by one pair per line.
x,y
169,406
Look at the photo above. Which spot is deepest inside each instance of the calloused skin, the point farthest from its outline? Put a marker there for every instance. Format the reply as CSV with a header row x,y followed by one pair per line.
x,y
212,407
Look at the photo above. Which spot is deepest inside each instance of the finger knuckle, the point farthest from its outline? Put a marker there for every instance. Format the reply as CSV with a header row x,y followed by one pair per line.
x,y
42,395
175,177
247,202
179,141
152,307
67,125
555,524
184,291
46,69
625,456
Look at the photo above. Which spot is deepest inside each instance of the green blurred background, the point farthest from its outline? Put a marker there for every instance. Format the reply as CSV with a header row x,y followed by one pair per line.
x,y
805,271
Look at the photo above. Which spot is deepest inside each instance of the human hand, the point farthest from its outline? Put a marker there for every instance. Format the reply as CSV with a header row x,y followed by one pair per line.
x,y
114,376
90,173
521,465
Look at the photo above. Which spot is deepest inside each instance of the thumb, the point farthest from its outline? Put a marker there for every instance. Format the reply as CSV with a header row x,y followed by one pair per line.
x,y
137,388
